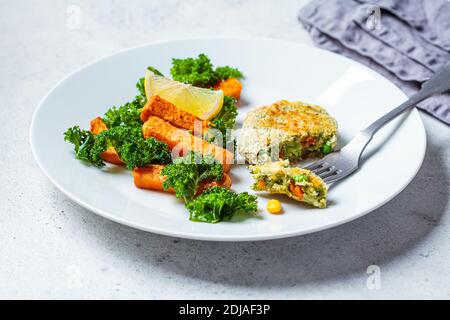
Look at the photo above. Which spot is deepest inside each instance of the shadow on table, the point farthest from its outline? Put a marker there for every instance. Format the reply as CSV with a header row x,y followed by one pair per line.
x,y
378,238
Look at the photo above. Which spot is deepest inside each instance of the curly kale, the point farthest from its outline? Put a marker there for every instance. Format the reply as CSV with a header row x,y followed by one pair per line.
x,y
186,173
129,113
155,71
142,97
140,85
200,71
83,142
196,71
133,149
226,118
227,72
126,115
217,204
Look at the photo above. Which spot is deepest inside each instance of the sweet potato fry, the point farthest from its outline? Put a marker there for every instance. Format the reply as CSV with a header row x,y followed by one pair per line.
x,y
231,87
157,106
183,142
150,177
97,126
225,182
110,155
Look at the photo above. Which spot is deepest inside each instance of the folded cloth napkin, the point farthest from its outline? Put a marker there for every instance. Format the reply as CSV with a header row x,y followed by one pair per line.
x,y
406,41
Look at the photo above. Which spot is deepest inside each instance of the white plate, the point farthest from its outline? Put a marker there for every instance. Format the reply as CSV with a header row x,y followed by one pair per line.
x,y
274,70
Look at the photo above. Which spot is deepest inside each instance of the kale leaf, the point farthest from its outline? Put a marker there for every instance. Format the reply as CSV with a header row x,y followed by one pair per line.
x,y
196,71
200,71
126,115
129,113
155,71
227,72
226,118
217,204
133,149
83,142
124,134
140,85
142,97
186,173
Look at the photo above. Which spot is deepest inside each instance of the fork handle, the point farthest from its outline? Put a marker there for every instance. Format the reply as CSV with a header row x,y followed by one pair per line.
x,y
437,84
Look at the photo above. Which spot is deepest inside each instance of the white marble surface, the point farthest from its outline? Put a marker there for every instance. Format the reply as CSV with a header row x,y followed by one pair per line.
x,y
52,248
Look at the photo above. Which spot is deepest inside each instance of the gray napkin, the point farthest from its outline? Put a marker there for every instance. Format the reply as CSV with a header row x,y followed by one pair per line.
x,y
404,40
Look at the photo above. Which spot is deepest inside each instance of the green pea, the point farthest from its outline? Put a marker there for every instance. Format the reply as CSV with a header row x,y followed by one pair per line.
x,y
327,148
300,178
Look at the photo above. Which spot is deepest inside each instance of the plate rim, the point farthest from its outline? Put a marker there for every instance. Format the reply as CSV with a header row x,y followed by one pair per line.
x,y
202,237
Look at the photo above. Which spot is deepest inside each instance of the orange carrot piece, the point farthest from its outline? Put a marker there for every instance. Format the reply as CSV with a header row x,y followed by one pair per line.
x,y
183,142
261,184
230,87
225,183
110,155
296,190
149,177
97,126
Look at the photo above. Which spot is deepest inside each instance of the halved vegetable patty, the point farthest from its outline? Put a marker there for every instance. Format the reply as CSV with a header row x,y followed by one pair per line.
x,y
298,184
289,130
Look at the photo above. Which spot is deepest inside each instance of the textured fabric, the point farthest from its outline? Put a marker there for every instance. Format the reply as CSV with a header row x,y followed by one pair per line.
x,y
409,42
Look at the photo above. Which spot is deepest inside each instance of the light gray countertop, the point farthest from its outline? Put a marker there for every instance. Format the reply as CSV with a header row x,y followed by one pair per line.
x,y
51,247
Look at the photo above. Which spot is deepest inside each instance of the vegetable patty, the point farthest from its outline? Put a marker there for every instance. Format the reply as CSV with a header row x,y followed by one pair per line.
x,y
289,130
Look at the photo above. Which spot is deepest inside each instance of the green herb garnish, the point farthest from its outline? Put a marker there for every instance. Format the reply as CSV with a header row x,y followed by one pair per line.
x,y
217,204
226,118
186,173
200,71
140,85
155,71
226,72
126,115
83,142
133,149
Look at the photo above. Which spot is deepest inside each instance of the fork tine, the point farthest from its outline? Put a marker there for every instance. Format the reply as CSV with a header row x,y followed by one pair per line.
x,y
324,170
331,173
313,166
336,176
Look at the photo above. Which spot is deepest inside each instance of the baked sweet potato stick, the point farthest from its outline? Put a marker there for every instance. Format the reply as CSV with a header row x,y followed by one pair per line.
x,y
157,106
225,182
97,126
150,177
110,155
183,142
230,87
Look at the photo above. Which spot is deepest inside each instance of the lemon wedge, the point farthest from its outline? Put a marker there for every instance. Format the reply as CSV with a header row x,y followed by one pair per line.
x,y
200,102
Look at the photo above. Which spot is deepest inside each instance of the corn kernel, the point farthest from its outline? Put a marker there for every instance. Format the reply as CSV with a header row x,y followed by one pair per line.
x,y
274,206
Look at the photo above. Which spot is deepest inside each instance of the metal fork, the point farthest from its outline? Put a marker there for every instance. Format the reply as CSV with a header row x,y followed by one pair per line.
x,y
340,164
